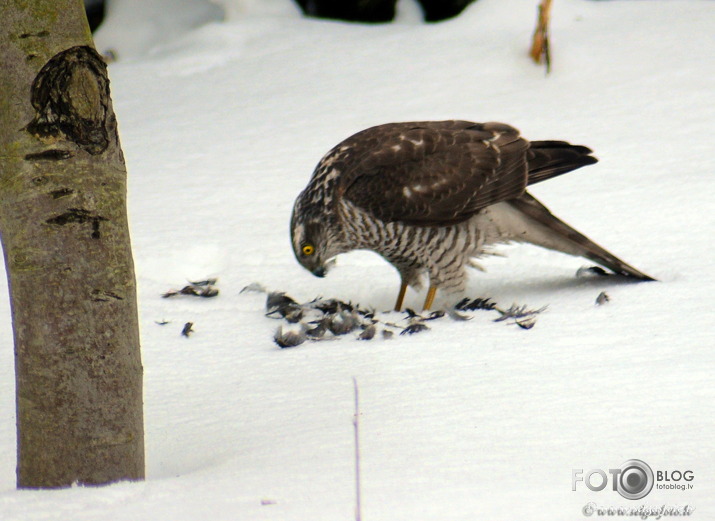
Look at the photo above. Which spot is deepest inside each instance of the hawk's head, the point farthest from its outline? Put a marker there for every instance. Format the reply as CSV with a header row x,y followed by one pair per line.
x,y
314,242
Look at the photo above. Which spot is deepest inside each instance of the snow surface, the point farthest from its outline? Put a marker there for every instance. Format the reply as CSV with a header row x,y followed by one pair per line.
x,y
221,128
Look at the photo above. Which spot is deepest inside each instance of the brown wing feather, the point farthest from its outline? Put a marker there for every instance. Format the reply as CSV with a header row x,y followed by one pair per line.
x,y
548,159
434,173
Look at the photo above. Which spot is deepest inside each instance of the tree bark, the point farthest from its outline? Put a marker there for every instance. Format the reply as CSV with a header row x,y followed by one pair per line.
x,y
65,239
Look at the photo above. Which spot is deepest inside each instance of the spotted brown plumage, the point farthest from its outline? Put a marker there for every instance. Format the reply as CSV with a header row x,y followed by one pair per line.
x,y
431,196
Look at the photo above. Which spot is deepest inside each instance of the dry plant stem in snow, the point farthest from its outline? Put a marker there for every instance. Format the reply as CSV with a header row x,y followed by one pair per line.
x,y
540,41
356,425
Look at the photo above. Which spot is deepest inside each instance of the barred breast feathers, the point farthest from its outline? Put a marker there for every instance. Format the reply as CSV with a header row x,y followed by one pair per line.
x,y
442,252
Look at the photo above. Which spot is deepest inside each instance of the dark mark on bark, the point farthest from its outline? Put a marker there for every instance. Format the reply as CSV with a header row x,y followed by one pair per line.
x,y
62,192
95,229
49,155
79,216
41,34
99,295
71,98
73,215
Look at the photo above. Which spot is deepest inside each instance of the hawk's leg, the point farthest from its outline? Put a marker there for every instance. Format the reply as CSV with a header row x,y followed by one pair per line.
x,y
430,298
400,297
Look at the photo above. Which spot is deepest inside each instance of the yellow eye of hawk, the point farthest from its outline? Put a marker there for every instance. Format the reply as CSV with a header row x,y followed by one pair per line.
x,y
308,249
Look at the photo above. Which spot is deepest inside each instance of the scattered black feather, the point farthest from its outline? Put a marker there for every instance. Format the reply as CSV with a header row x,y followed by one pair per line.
x,y
331,305
477,304
188,329
411,313
284,306
276,301
526,323
517,312
602,298
343,323
207,282
318,331
416,327
460,305
519,315
323,319
368,333
289,338
203,289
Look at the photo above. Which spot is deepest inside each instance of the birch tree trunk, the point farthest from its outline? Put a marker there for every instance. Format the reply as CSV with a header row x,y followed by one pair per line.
x,y
65,239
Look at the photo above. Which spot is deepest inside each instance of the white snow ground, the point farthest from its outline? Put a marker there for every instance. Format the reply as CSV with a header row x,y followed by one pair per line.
x,y
472,420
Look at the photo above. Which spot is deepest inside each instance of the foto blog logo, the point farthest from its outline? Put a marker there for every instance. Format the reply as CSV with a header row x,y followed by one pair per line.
x,y
634,479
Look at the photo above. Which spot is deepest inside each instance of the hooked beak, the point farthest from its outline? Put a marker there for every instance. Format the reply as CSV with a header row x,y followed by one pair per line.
x,y
320,271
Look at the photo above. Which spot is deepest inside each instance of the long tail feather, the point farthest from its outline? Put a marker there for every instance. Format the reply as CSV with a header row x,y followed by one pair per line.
x,y
534,223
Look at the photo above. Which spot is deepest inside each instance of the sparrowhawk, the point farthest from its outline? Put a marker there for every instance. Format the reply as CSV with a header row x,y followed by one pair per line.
x,y
430,197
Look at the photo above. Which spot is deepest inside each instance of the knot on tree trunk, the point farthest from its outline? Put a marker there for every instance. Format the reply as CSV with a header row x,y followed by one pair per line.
x,y
70,95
